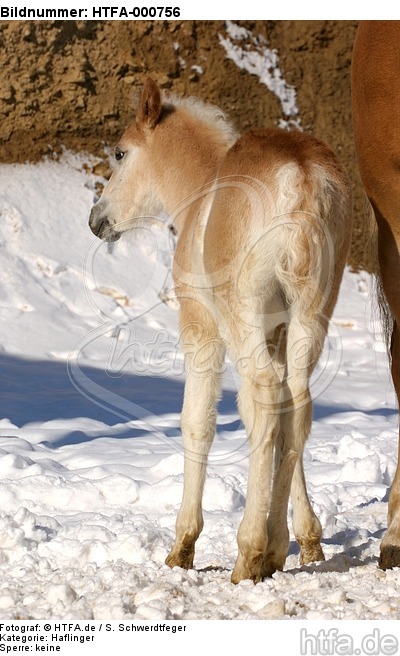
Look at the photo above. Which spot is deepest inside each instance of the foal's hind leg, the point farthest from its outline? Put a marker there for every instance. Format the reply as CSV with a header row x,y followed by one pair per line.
x,y
306,525
259,406
304,344
204,356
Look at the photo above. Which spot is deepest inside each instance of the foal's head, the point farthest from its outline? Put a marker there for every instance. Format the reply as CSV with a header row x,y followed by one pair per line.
x,y
168,152
131,194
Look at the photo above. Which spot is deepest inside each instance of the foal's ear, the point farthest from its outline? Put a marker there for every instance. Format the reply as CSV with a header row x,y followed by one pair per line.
x,y
150,105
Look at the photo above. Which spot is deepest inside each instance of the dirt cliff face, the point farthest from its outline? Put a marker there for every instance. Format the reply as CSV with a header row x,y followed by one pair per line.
x,y
71,83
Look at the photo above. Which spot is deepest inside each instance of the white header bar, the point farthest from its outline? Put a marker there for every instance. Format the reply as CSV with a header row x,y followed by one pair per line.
x,y
195,10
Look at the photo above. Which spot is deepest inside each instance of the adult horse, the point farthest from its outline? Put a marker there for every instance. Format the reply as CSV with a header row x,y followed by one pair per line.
x,y
264,224
376,122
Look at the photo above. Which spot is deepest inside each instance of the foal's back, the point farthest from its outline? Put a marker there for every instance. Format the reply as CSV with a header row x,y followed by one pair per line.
x,y
273,188
280,146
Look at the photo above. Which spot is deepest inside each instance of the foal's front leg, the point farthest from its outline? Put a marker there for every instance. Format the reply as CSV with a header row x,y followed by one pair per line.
x,y
203,370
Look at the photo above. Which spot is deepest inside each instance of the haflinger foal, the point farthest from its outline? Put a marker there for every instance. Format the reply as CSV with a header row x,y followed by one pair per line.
x,y
264,224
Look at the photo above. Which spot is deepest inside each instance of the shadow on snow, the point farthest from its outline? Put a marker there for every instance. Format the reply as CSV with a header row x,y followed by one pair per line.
x,y
44,391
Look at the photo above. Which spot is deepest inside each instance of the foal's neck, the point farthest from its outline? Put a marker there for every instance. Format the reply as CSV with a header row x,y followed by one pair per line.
x,y
193,152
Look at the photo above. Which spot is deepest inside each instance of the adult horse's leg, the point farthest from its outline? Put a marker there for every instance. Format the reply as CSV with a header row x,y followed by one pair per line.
x,y
389,264
376,121
204,357
390,546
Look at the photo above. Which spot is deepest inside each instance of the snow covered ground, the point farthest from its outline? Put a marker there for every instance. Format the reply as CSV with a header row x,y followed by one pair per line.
x,y
90,448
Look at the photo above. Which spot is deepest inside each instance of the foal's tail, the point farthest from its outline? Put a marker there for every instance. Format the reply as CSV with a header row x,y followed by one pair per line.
x,y
316,240
300,267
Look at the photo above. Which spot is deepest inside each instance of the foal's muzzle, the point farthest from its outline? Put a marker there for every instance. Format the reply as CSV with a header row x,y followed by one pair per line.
x,y
101,226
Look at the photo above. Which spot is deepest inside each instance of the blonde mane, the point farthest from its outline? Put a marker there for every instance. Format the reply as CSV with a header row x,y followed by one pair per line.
x,y
204,112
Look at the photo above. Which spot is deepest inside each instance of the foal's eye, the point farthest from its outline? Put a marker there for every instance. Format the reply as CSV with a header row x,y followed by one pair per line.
x,y
119,154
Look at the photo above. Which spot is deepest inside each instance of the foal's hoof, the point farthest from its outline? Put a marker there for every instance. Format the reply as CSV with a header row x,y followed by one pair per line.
x,y
245,576
390,556
275,557
271,565
310,552
182,556
248,569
